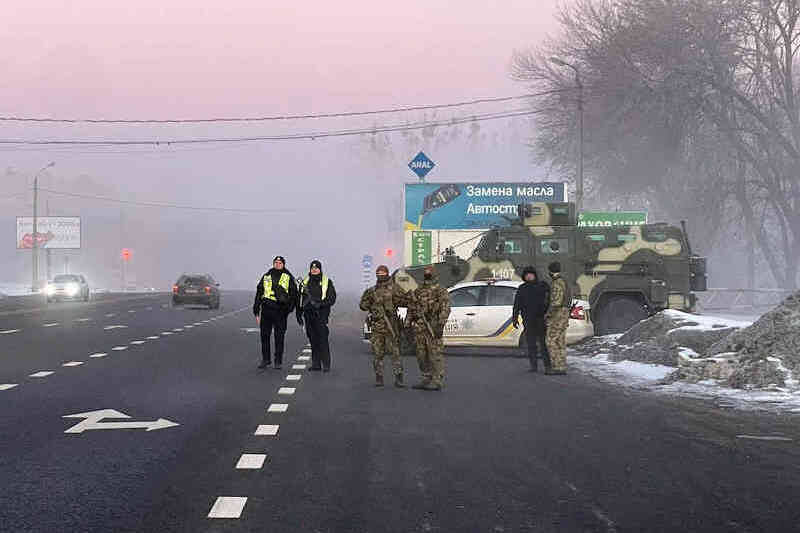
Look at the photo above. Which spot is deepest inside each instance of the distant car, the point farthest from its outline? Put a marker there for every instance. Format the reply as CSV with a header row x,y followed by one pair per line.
x,y
481,313
67,287
199,289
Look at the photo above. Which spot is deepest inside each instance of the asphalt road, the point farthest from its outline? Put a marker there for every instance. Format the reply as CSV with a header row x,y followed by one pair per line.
x,y
499,450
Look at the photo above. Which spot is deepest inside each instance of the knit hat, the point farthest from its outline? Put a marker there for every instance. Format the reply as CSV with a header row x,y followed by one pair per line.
x,y
280,258
315,263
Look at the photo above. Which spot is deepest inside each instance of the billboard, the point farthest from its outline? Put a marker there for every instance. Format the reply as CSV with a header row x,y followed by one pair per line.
x,y
472,205
51,232
592,219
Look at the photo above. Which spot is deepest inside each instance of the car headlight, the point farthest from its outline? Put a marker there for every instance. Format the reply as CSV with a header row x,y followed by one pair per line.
x,y
72,289
50,290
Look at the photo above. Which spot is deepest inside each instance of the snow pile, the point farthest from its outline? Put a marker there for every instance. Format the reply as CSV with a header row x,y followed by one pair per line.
x,y
764,355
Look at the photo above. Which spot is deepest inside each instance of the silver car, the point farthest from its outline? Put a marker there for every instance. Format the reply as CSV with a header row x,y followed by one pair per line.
x,y
67,287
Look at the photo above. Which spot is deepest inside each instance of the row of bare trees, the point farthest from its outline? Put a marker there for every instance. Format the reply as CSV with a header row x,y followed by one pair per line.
x,y
691,109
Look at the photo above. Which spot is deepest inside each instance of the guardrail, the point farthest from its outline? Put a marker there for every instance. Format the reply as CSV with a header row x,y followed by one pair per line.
x,y
717,299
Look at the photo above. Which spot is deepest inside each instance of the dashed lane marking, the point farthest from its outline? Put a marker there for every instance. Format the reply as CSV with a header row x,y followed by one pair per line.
x,y
115,326
278,408
51,325
82,319
132,310
293,377
304,358
110,315
6,386
98,355
763,437
251,461
306,350
298,367
267,430
166,333
136,343
119,348
152,337
42,374
10,331
188,326
73,363
286,390
228,507
177,329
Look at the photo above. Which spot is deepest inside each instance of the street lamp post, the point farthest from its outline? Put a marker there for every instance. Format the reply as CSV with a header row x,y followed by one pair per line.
x,y
579,85
35,273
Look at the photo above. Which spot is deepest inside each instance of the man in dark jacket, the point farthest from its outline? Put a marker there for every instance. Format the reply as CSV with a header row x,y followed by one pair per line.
x,y
276,296
317,296
531,301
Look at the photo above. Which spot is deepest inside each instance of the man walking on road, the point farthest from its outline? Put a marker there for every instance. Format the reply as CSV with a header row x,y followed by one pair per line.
x,y
428,310
557,320
531,301
382,301
317,296
276,296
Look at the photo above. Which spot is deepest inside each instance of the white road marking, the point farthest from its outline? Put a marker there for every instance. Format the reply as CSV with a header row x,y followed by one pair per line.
x,y
9,331
278,408
132,310
73,363
152,337
251,461
50,325
82,319
756,437
148,308
116,326
6,386
177,329
109,315
206,321
137,342
188,326
267,430
306,350
166,333
42,374
98,355
286,390
93,420
119,348
304,358
251,330
298,367
293,377
228,507
198,323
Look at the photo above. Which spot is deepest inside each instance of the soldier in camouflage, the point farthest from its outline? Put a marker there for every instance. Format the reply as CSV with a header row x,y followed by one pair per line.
x,y
428,311
557,320
382,301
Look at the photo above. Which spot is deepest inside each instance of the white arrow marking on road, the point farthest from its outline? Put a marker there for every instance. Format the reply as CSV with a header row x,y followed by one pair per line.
x,y
93,421
755,437
267,430
9,331
6,386
116,326
251,461
98,355
278,408
228,507
42,374
286,390
298,367
153,337
73,363
137,342
304,358
293,377
50,325
119,348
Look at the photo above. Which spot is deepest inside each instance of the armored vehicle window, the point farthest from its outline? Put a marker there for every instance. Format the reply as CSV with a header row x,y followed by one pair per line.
x,y
596,237
554,246
626,237
466,297
510,246
499,295
654,235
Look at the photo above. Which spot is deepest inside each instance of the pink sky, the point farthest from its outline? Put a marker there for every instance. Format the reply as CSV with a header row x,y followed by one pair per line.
x,y
168,58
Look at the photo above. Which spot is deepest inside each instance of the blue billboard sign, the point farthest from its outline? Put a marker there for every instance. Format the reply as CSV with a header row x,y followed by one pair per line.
x,y
472,205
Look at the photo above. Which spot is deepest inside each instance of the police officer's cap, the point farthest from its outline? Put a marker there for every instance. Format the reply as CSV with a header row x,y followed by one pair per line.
x,y
554,267
280,258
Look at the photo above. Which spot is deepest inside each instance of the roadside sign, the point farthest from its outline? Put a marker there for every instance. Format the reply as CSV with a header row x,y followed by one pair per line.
x,y
421,165
421,244
366,271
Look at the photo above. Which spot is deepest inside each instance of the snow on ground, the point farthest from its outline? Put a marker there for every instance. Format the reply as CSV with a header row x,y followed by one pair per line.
x,y
706,322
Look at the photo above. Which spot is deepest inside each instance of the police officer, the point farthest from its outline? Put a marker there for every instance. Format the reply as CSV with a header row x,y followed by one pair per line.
x,y
317,296
531,301
276,296
428,310
557,320
382,301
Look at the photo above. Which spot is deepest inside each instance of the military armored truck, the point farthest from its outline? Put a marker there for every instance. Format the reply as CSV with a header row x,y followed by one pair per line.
x,y
626,273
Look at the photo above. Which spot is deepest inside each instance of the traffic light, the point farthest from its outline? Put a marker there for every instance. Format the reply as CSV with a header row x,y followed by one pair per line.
x,y
126,254
389,252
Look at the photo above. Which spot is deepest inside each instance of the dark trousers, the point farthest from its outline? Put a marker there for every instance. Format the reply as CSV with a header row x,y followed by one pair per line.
x,y
317,331
534,338
272,319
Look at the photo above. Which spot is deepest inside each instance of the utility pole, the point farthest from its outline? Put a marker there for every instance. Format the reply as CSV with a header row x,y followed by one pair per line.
x,y
579,86
35,273
47,250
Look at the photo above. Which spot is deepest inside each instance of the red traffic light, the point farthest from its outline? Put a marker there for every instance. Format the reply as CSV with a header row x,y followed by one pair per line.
x,y
126,254
389,252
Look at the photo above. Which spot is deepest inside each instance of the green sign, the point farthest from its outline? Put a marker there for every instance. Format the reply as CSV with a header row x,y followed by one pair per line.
x,y
591,219
420,248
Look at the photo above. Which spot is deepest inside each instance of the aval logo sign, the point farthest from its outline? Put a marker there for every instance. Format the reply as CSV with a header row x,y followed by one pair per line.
x,y
473,205
421,165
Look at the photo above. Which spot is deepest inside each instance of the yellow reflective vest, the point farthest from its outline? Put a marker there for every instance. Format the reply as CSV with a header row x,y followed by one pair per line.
x,y
269,293
324,284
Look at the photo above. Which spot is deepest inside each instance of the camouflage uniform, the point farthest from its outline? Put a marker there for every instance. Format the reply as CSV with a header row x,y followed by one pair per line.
x,y
383,300
557,320
429,302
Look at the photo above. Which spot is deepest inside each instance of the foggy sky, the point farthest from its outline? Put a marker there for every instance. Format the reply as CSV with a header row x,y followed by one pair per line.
x,y
102,59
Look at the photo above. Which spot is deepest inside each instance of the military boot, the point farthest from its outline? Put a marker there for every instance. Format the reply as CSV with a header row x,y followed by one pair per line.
x,y
398,381
433,385
378,380
422,384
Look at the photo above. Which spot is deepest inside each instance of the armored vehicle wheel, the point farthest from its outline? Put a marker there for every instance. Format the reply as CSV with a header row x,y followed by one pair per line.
x,y
618,314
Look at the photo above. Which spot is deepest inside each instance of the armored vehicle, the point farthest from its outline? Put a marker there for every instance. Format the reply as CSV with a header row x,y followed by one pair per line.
x,y
626,273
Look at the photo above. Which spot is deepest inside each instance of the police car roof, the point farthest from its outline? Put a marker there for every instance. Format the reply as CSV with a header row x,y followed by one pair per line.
x,y
480,283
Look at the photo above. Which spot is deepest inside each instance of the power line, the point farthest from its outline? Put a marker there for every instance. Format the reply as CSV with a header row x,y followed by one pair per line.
x,y
340,114
293,136
165,205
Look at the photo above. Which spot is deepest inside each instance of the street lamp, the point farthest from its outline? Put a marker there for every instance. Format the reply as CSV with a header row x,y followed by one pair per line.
x,y
579,181
35,274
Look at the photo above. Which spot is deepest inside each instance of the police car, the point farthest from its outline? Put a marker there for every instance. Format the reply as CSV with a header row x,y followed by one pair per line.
x,y
481,314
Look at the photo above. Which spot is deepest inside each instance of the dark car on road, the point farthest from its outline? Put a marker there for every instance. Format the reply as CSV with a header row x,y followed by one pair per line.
x,y
198,289
67,287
